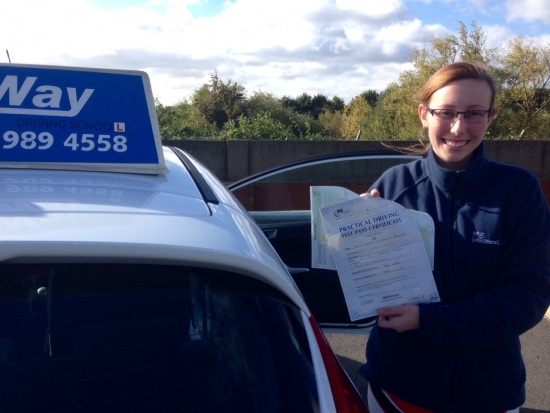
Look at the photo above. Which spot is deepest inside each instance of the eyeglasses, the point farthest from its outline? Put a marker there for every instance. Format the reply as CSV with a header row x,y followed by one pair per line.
x,y
470,116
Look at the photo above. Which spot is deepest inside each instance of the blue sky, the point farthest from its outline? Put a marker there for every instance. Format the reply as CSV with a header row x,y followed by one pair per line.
x,y
284,47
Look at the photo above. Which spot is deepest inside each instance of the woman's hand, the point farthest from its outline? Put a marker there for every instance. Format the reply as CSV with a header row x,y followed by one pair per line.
x,y
401,318
375,193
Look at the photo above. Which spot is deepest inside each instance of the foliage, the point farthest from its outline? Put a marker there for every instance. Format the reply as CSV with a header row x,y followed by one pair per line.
x,y
262,102
360,118
301,125
525,98
264,127
222,110
371,97
310,106
332,123
472,45
336,104
181,122
220,102
260,126
354,115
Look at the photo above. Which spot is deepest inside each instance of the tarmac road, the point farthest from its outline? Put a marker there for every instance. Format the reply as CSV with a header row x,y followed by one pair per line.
x,y
535,349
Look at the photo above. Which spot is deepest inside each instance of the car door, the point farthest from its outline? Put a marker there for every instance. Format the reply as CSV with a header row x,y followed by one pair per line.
x,y
278,200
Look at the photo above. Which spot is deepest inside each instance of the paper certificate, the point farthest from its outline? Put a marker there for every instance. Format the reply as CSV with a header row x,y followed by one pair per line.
x,y
324,196
379,255
321,197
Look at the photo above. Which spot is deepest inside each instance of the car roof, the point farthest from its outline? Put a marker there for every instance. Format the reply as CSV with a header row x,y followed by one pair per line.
x,y
182,217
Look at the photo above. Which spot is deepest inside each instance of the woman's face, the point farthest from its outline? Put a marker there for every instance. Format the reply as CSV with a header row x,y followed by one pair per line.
x,y
454,141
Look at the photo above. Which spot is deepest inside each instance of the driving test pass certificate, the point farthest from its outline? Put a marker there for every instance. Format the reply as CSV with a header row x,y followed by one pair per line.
x,y
379,255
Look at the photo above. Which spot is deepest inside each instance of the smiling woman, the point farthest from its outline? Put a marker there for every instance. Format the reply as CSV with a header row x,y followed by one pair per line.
x,y
463,354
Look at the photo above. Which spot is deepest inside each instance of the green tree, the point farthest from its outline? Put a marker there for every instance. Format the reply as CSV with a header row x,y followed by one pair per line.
x,y
471,45
319,103
302,104
336,104
259,126
371,96
312,106
332,118
261,102
301,125
332,123
524,101
263,126
220,102
355,113
180,121
360,115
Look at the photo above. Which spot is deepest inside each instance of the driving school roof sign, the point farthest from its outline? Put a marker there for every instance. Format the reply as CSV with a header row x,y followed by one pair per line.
x,y
81,119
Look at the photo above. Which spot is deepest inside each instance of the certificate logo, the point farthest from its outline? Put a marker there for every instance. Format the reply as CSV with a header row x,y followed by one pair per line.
x,y
340,211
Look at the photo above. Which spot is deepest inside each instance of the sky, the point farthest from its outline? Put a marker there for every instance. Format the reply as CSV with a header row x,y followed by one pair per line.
x,y
283,47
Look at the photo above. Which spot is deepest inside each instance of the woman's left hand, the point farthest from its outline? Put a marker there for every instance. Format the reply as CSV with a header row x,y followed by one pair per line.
x,y
401,318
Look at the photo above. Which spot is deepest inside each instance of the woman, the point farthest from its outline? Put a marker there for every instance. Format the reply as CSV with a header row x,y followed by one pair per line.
x,y
492,264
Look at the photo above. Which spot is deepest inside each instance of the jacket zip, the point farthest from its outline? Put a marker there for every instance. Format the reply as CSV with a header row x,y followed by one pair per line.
x,y
453,213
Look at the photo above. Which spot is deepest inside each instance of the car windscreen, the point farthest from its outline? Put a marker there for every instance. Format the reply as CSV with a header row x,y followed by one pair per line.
x,y
144,338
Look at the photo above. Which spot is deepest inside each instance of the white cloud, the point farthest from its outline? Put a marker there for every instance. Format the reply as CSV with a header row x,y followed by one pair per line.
x,y
482,6
279,44
498,35
248,25
370,8
543,40
528,10
340,47
408,32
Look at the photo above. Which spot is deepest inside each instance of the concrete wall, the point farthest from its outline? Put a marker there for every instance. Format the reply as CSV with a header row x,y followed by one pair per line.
x,y
234,160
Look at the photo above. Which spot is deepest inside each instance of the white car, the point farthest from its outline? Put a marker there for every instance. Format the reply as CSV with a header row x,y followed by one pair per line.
x,y
128,287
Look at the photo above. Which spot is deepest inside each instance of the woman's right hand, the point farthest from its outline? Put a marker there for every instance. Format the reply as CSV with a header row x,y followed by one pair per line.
x,y
375,193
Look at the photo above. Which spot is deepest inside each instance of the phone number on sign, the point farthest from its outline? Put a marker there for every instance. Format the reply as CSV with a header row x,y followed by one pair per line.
x,y
84,142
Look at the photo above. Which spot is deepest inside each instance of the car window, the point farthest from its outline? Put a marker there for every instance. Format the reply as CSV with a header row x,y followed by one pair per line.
x,y
287,189
142,338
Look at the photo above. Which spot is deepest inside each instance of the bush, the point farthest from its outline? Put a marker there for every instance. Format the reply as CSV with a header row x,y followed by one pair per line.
x,y
182,122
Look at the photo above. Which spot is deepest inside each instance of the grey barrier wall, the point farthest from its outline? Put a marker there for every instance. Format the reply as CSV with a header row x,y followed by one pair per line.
x,y
234,160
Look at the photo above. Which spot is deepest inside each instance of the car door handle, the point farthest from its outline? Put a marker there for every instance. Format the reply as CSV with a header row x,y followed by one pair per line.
x,y
296,270
270,233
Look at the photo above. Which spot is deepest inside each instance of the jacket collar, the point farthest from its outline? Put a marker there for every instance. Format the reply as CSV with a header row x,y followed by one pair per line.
x,y
466,179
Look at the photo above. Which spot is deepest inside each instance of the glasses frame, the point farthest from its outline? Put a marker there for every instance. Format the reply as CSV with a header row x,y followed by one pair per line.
x,y
456,112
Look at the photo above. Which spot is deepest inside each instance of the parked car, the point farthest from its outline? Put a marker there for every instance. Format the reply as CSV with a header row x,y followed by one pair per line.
x,y
128,292
131,280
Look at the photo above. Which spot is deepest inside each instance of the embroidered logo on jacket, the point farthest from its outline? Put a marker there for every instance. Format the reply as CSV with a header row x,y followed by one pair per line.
x,y
479,238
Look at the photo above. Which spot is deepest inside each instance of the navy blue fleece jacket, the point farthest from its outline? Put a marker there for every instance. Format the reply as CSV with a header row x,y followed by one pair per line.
x,y
492,270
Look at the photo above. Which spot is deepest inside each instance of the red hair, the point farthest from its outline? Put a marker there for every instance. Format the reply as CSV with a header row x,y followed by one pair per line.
x,y
452,72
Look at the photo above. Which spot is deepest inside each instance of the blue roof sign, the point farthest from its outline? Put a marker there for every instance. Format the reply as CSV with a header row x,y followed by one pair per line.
x,y
79,119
